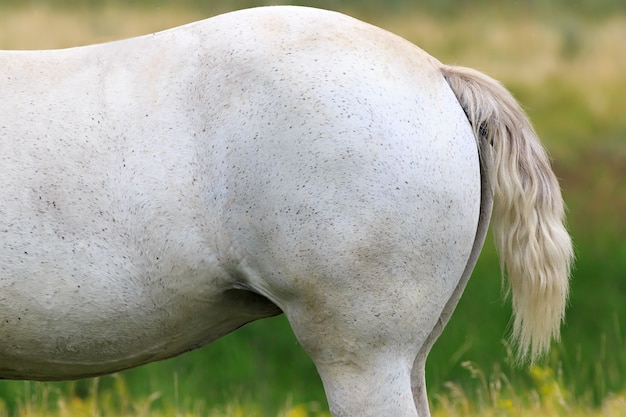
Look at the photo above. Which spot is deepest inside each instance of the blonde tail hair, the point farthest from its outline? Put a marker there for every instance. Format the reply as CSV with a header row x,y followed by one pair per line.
x,y
528,215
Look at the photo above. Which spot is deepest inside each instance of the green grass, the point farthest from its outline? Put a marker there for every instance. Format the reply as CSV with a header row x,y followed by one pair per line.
x,y
568,70
493,395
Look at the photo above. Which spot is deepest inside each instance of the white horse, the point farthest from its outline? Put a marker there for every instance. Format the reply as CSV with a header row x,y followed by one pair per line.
x,y
160,192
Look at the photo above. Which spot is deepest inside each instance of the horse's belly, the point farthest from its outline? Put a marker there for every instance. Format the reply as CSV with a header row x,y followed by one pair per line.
x,y
59,330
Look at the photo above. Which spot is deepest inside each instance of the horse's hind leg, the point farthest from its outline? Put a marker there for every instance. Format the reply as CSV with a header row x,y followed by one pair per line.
x,y
363,350
364,326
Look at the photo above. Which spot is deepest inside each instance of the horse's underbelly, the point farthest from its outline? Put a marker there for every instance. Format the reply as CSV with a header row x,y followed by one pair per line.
x,y
87,331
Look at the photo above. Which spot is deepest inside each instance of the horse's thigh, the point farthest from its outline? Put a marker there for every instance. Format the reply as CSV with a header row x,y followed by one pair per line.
x,y
386,295
363,344
363,328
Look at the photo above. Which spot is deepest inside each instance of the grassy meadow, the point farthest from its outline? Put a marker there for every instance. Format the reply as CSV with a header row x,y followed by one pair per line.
x,y
567,66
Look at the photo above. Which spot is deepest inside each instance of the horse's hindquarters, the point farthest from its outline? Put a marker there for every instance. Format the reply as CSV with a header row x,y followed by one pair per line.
x,y
356,212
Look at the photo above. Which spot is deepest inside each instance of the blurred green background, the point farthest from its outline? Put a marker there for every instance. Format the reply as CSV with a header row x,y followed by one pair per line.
x,y
566,63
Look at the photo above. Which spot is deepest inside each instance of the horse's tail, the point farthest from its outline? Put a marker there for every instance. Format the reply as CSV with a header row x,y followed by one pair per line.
x,y
534,246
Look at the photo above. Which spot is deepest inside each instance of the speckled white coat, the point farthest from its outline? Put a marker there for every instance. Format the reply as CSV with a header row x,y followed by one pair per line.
x,y
160,192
